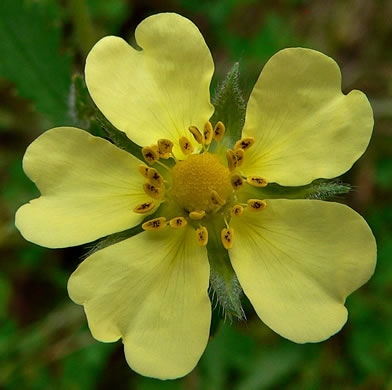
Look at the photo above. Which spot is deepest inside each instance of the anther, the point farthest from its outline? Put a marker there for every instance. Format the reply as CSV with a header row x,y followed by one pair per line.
x,y
197,215
178,222
150,154
202,236
244,143
207,133
216,200
165,145
227,236
237,210
255,205
257,181
155,224
196,134
143,169
219,131
155,177
240,155
185,145
144,208
236,181
153,190
231,159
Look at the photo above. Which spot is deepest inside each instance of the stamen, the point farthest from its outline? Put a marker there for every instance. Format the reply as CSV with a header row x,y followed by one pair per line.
x,y
150,154
227,237
244,143
257,181
196,134
143,169
237,210
207,133
155,224
240,155
236,181
144,208
225,220
165,145
255,205
202,236
185,145
219,131
165,156
216,200
197,215
231,159
178,222
155,177
152,190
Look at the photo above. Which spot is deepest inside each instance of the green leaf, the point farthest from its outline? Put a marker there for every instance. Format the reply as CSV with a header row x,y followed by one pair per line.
x,y
31,59
319,189
225,286
230,108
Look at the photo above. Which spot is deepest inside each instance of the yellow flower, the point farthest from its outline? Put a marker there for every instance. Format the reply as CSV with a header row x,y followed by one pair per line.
x,y
296,260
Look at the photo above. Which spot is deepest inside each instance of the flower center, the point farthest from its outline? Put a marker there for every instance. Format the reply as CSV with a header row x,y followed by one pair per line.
x,y
195,179
199,184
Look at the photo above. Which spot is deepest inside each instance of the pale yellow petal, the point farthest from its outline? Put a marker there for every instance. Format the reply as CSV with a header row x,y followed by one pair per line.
x,y
88,189
157,92
298,260
151,290
305,127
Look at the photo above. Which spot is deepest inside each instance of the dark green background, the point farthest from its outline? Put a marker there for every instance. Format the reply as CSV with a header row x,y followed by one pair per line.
x,y
44,340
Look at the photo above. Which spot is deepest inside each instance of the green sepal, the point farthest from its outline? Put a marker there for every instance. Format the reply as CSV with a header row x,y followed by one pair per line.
x,y
319,189
119,138
230,108
85,113
225,287
113,239
163,210
81,107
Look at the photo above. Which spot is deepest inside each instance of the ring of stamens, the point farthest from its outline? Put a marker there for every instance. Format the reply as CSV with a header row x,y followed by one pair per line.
x,y
201,185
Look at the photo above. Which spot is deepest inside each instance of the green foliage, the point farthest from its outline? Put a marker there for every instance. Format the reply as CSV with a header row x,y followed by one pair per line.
x,y
31,58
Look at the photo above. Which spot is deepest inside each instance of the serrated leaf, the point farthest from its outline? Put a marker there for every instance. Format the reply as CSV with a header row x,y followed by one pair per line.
x,y
230,108
225,286
31,59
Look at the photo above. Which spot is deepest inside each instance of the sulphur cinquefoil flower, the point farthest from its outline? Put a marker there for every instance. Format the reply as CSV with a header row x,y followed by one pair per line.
x,y
296,260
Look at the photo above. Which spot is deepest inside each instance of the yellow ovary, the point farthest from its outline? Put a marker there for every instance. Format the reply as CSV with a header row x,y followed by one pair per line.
x,y
196,177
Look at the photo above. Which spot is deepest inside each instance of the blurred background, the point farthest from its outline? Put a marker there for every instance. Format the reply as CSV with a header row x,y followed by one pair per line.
x,y
44,339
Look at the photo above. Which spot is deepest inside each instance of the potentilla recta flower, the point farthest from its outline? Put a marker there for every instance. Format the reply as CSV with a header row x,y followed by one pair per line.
x,y
296,260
